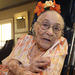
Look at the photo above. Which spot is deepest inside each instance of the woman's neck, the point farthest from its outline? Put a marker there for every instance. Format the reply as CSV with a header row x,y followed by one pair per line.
x,y
40,48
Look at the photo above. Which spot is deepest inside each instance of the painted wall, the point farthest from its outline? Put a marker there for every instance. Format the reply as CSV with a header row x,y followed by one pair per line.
x,y
9,13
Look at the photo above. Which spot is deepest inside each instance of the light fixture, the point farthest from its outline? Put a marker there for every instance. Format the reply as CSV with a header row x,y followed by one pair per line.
x,y
21,17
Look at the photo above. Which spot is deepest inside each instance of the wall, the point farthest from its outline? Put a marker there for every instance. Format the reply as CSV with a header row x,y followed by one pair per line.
x,y
9,13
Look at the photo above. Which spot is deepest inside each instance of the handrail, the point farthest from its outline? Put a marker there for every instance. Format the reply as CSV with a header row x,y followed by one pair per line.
x,y
72,52
72,44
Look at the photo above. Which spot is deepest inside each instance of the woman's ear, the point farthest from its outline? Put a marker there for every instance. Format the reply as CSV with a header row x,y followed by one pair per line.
x,y
35,26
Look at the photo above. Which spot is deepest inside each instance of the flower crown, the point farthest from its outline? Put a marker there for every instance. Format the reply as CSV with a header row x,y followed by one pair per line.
x,y
41,7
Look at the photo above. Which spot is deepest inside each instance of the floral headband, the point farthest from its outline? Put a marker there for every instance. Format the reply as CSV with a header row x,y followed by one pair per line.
x,y
41,7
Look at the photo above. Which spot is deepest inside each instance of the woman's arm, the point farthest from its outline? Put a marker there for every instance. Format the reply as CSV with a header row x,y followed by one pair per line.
x,y
16,67
17,47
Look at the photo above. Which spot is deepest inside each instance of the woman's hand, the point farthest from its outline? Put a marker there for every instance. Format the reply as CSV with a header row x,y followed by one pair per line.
x,y
15,67
39,64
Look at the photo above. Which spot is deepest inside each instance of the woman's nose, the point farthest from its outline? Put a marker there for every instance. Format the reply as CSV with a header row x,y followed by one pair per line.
x,y
50,31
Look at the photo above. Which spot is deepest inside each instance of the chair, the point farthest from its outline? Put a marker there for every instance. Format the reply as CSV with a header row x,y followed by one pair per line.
x,y
68,33
68,14
6,50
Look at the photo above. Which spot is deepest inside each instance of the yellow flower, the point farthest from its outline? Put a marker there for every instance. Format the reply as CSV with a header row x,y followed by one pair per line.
x,y
49,4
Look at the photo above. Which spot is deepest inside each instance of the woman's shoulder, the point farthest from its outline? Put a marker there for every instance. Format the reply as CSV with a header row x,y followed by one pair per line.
x,y
23,40
62,39
26,36
62,47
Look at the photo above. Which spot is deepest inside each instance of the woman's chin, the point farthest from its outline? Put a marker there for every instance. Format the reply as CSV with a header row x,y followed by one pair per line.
x,y
45,46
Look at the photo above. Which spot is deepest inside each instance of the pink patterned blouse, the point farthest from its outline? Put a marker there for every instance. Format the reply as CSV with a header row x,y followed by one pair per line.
x,y
56,53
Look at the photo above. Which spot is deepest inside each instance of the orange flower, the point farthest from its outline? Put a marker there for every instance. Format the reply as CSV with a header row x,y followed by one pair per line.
x,y
39,8
56,8
54,2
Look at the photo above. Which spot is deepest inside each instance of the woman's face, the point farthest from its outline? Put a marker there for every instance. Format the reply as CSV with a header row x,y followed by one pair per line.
x,y
48,29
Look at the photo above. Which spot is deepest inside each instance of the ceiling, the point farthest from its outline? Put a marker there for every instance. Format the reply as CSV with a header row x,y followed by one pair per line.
x,y
5,4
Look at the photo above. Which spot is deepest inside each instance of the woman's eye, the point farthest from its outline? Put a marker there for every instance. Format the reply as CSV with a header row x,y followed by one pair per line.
x,y
56,28
45,25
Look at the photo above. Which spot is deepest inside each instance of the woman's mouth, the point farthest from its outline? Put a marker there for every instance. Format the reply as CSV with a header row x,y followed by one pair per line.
x,y
47,39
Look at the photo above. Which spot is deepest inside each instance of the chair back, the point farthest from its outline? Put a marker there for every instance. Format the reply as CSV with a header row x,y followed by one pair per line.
x,y
6,50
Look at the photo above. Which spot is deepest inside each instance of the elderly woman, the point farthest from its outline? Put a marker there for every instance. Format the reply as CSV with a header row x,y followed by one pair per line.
x,y
41,54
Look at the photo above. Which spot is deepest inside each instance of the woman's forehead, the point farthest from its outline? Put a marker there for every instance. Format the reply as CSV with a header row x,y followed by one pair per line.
x,y
52,16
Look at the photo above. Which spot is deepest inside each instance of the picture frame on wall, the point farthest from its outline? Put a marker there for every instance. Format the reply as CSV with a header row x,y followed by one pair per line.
x,y
21,22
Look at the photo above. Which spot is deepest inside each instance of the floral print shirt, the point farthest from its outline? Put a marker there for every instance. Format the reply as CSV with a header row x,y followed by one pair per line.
x,y
56,53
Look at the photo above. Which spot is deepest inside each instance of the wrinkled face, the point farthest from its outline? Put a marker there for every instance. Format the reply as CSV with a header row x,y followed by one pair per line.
x,y
48,29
